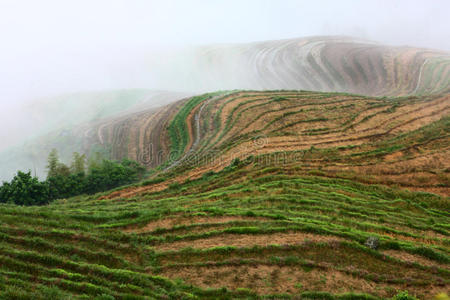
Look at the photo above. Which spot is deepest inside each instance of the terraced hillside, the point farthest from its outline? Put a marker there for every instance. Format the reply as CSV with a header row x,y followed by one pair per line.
x,y
258,193
394,141
316,64
139,136
340,64
127,124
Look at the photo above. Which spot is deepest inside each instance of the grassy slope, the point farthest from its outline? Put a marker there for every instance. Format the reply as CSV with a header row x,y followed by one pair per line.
x,y
255,227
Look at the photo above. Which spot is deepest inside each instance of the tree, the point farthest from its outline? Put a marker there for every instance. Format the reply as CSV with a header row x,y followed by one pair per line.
x,y
78,165
66,186
26,190
110,174
95,161
134,170
53,161
62,170
5,191
63,181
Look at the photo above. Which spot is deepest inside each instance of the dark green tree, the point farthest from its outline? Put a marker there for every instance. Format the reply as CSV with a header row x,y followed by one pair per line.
x,y
5,191
25,190
65,182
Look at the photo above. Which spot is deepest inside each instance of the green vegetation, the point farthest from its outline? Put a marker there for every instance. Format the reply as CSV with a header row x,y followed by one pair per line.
x,y
63,181
178,133
84,237
24,190
292,216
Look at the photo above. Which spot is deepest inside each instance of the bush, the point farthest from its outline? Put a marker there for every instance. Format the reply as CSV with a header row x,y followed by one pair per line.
x,y
175,186
27,190
24,190
111,174
403,296
236,162
152,181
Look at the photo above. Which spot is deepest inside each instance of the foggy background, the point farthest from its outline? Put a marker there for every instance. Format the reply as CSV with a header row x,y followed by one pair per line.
x,y
50,48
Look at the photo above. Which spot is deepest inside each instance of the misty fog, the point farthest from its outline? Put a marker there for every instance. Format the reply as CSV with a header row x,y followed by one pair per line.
x,y
51,48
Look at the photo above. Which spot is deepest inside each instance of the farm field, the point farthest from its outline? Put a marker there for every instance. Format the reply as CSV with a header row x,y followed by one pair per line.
x,y
226,149
252,194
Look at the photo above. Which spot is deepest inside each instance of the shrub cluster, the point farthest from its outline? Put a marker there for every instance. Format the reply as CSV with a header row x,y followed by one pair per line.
x,y
63,181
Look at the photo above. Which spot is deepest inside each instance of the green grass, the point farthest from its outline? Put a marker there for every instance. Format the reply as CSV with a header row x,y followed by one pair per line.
x,y
75,237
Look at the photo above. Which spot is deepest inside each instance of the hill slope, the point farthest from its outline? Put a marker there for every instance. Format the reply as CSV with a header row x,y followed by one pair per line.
x,y
263,193
376,140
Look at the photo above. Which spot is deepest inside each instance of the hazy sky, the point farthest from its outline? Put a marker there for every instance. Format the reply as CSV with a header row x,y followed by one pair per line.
x,y
50,47
53,46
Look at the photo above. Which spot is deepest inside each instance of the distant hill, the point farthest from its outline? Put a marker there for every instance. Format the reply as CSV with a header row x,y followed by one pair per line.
x,y
340,64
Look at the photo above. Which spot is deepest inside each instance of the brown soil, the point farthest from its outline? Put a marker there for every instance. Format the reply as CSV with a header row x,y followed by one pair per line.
x,y
412,258
394,156
185,220
266,279
257,124
248,240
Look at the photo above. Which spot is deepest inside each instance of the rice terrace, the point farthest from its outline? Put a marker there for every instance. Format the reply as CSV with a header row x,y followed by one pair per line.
x,y
311,168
